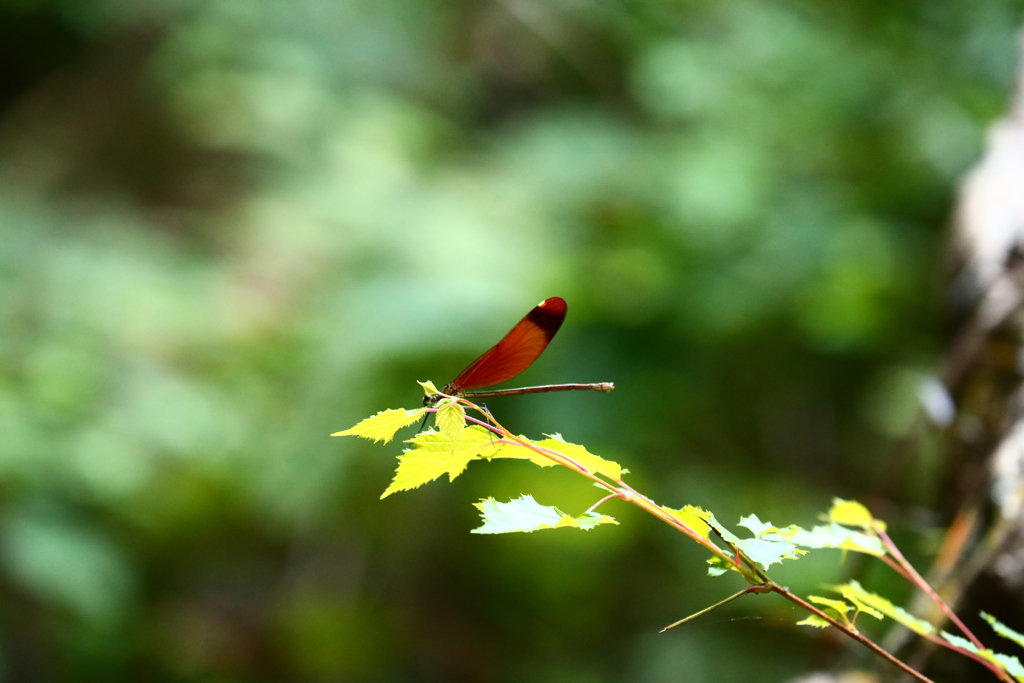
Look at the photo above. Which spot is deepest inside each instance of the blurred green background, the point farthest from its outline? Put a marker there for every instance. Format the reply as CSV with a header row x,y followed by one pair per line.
x,y
230,228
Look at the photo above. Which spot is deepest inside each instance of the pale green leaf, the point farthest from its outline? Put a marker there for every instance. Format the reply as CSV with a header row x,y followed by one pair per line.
x,y
451,418
433,454
767,553
1008,663
710,520
1002,629
823,536
959,642
759,528
383,425
762,551
525,514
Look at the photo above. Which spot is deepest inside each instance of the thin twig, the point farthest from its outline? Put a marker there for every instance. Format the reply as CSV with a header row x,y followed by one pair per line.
x,y
991,666
748,589
856,635
924,586
595,505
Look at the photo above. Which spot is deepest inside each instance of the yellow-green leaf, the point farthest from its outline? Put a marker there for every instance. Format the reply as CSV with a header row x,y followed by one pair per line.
x,y
520,452
451,418
838,606
526,514
428,387
815,621
689,516
876,606
582,456
852,513
383,425
433,454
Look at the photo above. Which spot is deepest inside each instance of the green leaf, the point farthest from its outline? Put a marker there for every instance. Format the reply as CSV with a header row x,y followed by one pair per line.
x,y
815,621
762,551
1002,629
838,606
383,425
767,553
710,520
828,536
526,514
959,642
837,609
433,454
1008,663
451,418
718,566
876,606
852,513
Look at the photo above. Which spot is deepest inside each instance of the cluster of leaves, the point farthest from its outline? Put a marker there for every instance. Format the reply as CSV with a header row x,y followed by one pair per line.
x,y
848,525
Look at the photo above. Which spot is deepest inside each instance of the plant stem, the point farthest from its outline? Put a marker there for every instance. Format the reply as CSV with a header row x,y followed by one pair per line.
x,y
923,585
624,490
594,506
760,583
994,668
856,635
748,589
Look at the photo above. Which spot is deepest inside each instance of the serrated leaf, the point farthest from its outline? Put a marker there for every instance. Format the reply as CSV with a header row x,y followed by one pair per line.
x,y
762,551
525,514
959,642
1008,663
510,449
433,454
710,519
876,606
688,516
823,536
755,525
428,387
1002,629
718,566
815,621
838,606
383,425
766,553
451,418
852,513
581,455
